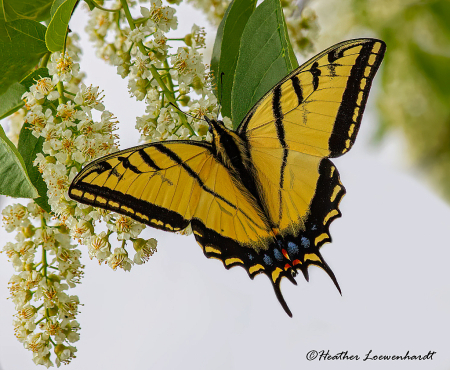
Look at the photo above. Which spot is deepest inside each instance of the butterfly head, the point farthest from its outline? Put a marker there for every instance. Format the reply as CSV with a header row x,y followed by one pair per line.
x,y
216,128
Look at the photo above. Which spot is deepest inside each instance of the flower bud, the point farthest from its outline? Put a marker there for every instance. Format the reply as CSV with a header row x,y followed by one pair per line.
x,y
184,100
197,83
53,311
59,348
138,244
28,231
188,39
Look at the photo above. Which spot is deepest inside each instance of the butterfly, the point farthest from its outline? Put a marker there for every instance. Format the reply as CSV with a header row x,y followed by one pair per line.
x,y
263,196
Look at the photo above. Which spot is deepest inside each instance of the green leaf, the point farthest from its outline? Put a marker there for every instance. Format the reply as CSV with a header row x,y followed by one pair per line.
x,y
29,146
15,181
265,57
226,50
56,4
11,100
57,29
22,44
36,10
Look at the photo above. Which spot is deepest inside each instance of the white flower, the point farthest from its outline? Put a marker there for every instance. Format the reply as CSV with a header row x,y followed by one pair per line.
x,y
14,217
120,259
144,250
137,88
186,65
67,112
159,42
160,16
30,100
166,123
14,256
62,67
20,331
138,34
125,227
99,247
79,229
44,88
26,250
90,97
20,293
183,133
98,24
203,106
38,120
64,354
197,36
69,308
141,67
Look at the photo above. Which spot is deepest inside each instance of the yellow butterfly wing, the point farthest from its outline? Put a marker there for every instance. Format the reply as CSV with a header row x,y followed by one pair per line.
x,y
313,113
167,186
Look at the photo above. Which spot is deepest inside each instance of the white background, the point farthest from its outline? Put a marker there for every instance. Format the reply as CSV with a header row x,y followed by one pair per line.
x,y
183,311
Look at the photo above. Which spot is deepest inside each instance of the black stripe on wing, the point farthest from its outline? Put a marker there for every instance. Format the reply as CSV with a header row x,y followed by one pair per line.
x,y
137,209
278,115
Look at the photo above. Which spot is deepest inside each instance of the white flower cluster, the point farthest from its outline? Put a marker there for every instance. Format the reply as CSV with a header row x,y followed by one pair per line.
x,y
156,75
61,110
45,317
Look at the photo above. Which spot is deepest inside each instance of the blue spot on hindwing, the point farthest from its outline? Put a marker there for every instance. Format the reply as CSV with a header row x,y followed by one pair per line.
x,y
292,248
277,254
305,242
250,257
267,260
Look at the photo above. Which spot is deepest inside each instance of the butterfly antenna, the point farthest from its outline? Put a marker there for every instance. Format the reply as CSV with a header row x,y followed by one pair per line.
x,y
187,114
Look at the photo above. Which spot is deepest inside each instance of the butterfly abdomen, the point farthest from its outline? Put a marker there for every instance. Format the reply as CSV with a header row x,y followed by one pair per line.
x,y
232,152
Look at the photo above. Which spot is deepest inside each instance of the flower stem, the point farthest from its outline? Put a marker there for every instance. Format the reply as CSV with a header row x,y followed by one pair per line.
x,y
44,60
60,88
104,9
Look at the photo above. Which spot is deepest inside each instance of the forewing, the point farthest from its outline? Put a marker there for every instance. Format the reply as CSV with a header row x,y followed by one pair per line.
x,y
317,109
168,185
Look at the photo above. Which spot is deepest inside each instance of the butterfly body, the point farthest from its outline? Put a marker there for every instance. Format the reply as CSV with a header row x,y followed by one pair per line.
x,y
263,196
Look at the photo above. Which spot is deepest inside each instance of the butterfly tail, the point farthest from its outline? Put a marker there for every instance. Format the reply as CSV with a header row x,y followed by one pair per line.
x,y
276,287
324,266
